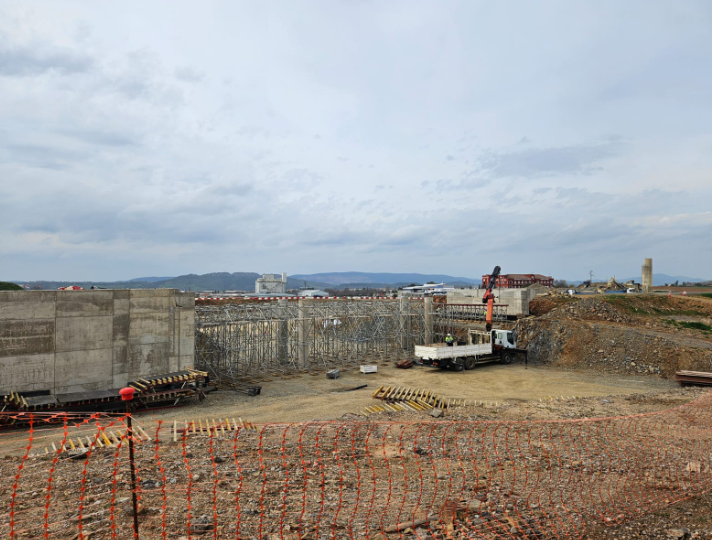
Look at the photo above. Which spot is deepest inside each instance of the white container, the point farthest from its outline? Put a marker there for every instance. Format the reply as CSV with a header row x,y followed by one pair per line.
x,y
369,369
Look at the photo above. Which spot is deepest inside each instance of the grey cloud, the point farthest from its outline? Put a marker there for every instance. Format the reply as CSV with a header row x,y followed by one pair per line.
x,y
39,156
100,137
236,189
534,162
79,218
469,180
26,61
335,238
302,179
141,77
187,74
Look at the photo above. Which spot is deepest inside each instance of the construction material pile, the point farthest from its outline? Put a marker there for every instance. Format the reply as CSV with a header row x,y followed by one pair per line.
x,y
168,388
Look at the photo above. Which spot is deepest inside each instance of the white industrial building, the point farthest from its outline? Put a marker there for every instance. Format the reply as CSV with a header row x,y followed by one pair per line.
x,y
271,284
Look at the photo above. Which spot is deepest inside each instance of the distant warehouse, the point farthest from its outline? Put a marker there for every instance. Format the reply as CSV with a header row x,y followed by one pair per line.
x,y
518,281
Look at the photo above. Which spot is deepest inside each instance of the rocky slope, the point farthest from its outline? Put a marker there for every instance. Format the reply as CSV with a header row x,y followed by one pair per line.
x,y
641,335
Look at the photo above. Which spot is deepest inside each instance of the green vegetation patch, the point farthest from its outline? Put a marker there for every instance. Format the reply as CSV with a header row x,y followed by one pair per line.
x,y
706,294
7,286
627,303
696,326
690,325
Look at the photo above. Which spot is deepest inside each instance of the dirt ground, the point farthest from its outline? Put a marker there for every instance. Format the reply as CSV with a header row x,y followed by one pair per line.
x,y
315,397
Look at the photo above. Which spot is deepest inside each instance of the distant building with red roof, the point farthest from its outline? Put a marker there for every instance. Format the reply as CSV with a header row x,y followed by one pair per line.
x,y
518,281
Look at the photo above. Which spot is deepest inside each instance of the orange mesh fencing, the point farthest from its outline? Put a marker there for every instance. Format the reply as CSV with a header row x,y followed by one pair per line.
x,y
319,480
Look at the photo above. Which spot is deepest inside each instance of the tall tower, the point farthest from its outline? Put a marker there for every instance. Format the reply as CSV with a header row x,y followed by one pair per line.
x,y
647,282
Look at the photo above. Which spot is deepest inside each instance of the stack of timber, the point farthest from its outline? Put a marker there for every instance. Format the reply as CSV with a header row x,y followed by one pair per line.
x,y
211,427
402,398
419,396
83,443
698,378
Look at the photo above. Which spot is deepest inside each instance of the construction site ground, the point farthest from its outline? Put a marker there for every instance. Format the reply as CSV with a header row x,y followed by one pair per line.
x,y
590,358
599,357
305,397
578,347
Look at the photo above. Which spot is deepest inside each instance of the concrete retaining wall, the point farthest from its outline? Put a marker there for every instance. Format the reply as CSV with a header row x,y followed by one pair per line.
x,y
516,300
70,341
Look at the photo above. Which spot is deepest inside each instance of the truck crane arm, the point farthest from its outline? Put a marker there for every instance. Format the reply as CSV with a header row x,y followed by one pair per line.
x,y
488,297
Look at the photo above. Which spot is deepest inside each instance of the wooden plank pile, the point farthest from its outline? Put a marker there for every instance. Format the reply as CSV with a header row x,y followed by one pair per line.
x,y
403,398
169,388
211,427
105,438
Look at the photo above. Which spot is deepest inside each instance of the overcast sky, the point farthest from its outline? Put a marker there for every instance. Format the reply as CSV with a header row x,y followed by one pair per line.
x,y
164,138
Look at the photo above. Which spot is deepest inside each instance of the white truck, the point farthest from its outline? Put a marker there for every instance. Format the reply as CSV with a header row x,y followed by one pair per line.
x,y
482,347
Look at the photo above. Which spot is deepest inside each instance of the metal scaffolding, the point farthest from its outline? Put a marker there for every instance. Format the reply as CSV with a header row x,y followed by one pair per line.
x,y
270,337
449,318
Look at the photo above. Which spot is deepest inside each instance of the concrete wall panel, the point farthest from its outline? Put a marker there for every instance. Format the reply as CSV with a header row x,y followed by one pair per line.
x,y
186,332
154,327
185,301
29,372
146,359
121,306
150,305
85,303
120,328
153,293
120,365
28,337
76,371
83,333
186,361
24,305
85,340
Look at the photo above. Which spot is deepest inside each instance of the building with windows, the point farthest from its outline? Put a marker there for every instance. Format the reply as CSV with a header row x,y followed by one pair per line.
x,y
271,284
518,281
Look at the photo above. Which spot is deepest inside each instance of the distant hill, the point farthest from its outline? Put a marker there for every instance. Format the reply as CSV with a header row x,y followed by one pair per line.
x,y
245,281
152,279
215,281
352,279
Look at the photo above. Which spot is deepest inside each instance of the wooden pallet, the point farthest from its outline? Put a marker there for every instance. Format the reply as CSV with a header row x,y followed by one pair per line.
x,y
211,427
106,438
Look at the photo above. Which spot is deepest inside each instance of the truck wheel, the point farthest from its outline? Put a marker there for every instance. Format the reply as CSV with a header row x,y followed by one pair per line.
x,y
507,358
470,362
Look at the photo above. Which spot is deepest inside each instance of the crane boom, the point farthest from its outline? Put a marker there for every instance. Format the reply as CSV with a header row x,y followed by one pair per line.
x,y
488,297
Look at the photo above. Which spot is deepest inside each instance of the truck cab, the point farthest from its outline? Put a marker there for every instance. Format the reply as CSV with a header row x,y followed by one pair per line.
x,y
504,339
500,339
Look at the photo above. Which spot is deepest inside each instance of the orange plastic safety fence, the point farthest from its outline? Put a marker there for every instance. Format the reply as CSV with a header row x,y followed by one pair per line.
x,y
350,479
